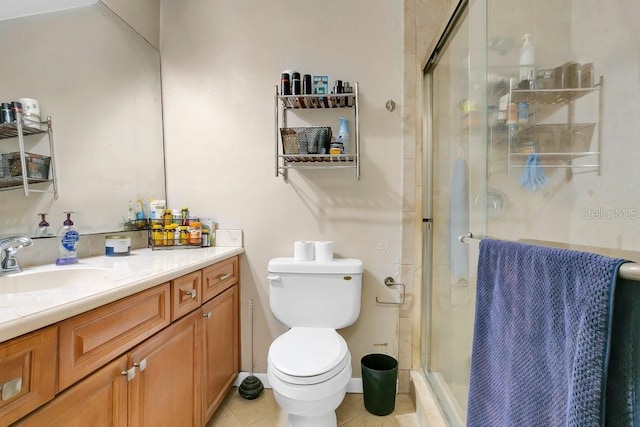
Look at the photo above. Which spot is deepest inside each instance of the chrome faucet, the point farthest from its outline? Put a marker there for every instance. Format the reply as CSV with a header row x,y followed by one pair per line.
x,y
10,247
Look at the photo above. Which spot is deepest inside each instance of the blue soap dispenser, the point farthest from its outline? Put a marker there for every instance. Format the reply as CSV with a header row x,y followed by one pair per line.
x,y
68,242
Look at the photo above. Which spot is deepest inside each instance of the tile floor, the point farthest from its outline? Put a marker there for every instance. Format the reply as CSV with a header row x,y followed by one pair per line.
x,y
264,411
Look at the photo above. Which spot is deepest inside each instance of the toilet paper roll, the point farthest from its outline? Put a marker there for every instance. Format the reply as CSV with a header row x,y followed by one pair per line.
x,y
303,251
324,251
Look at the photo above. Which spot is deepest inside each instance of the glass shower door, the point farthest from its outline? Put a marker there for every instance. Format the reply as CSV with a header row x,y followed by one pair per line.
x,y
455,170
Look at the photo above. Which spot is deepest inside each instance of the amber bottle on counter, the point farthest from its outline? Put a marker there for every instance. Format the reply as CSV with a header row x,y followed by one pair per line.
x,y
170,234
184,235
157,234
195,233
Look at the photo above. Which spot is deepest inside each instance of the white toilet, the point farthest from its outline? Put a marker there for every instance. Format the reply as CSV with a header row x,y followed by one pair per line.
x,y
309,366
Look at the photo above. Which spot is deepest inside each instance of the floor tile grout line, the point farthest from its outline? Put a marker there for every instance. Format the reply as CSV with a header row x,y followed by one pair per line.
x,y
275,412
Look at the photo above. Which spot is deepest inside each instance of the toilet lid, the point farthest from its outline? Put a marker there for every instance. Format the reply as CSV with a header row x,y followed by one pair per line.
x,y
301,353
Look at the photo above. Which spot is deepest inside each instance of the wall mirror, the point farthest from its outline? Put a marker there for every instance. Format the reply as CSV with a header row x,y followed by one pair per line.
x,y
99,80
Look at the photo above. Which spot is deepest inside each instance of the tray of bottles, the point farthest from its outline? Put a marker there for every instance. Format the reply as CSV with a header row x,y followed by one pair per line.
x,y
167,234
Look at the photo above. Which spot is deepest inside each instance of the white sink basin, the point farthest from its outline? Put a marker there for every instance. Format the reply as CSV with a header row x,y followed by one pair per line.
x,y
31,280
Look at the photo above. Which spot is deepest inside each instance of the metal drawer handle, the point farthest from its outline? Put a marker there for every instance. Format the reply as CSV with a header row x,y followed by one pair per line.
x,y
207,315
11,388
142,365
191,293
224,276
129,373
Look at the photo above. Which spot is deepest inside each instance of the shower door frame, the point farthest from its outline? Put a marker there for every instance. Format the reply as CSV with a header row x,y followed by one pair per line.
x,y
459,17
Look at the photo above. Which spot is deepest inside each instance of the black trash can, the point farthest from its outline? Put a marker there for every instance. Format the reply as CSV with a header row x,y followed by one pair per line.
x,y
379,377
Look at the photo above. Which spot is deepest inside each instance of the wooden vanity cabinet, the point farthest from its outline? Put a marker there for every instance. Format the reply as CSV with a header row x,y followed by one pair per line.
x,y
126,364
27,373
162,388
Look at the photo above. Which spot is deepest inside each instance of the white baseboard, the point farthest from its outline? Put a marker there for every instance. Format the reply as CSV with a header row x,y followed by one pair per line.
x,y
354,386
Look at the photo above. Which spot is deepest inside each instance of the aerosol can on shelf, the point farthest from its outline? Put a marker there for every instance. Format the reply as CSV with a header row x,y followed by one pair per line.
x,y
343,134
68,242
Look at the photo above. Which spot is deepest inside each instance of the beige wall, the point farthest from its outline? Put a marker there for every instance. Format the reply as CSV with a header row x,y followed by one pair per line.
x,y
142,15
220,62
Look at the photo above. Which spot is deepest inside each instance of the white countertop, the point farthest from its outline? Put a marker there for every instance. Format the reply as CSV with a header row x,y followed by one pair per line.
x,y
123,276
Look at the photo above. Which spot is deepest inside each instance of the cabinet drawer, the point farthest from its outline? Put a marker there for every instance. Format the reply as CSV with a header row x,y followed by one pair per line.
x,y
186,294
27,373
218,277
91,339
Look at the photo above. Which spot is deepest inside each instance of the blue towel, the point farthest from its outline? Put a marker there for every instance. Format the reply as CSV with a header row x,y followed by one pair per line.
x,y
541,336
623,382
459,219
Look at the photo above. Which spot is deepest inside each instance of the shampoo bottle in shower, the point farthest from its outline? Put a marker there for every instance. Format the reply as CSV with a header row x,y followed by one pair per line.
x,y
68,242
343,134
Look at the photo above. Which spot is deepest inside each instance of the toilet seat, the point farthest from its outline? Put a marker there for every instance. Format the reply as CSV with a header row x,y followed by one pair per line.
x,y
308,355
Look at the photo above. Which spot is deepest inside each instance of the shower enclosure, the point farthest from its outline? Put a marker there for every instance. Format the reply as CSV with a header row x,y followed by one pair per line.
x,y
455,170
543,152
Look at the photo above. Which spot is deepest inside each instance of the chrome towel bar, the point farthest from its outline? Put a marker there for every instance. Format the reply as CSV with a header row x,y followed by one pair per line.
x,y
628,270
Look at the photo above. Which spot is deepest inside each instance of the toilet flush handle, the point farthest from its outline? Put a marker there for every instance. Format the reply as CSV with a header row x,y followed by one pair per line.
x,y
273,278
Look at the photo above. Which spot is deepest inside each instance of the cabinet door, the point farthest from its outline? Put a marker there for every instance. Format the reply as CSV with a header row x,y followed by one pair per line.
x,y
98,401
27,373
220,348
218,277
166,388
186,294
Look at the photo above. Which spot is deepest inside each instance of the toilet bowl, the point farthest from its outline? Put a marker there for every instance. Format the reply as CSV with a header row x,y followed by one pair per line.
x,y
309,370
309,366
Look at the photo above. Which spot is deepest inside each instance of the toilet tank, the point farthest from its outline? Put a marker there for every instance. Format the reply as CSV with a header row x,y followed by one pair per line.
x,y
315,294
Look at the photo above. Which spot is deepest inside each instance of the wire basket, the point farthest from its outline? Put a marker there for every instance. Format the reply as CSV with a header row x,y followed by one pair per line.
x,y
555,138
306,140
171,234
37,165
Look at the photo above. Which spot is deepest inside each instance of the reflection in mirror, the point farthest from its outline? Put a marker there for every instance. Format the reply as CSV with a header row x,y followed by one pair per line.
x,y
100,83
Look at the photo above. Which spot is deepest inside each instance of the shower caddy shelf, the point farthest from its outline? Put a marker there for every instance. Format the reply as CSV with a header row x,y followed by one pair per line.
x,y
19,129
556,144
286,103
